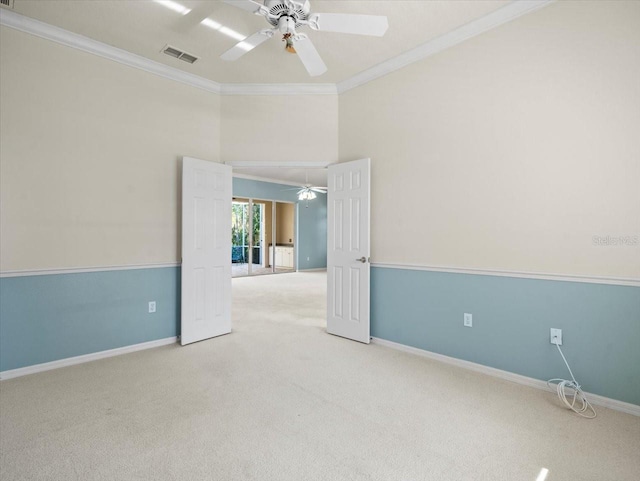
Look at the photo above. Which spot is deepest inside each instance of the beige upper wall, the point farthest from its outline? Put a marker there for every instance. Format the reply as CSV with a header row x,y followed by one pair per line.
x,y
516,146
89,157
287,128
511,150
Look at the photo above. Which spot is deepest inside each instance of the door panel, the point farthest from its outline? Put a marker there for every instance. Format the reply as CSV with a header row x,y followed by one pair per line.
x,y
206,267
348,268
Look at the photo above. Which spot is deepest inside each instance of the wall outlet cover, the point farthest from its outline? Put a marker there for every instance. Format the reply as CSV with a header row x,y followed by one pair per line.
x,y
553,333
152,306
468,320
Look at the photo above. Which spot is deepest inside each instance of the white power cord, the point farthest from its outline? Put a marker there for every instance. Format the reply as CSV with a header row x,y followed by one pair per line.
x,y
578,403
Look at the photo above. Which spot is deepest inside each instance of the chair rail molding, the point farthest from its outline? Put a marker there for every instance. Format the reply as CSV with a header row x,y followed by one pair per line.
x,y
78,270
616,281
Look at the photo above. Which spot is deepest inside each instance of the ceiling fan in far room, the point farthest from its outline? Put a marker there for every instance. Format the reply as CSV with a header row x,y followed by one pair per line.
x,y
285,16
308,191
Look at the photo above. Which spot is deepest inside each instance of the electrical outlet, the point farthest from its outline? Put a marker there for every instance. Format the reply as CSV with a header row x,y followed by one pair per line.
x,y
468,320
555,336
308,259
152,306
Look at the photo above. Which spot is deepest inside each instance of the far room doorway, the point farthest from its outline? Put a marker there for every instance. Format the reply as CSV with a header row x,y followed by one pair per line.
x,y
263,237
207,199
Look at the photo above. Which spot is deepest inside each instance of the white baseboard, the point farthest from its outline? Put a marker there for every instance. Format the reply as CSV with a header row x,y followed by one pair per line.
x,y
316,269
71,361
506,375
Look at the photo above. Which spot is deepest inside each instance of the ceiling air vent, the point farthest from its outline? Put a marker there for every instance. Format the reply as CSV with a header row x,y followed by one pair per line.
x,y
173,52
6,3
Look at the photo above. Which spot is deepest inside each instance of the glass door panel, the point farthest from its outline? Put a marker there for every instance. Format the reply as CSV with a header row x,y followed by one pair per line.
x,y
257,242
262,237
240,229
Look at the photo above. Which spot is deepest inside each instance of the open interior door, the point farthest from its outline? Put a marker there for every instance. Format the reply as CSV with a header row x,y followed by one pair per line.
x,y
206,250
348,268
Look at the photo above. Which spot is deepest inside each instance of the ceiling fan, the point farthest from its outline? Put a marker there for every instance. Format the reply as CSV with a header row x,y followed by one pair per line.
x,y
285,16
308,192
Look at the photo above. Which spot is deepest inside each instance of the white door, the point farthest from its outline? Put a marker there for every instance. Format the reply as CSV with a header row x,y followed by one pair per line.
x,y
348,268
206,250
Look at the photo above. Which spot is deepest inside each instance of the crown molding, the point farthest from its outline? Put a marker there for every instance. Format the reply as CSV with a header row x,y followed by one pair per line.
x,y
279,89
64,37
503,15
509,12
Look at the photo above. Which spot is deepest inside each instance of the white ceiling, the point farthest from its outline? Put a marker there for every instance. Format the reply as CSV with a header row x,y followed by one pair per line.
x,y
144,27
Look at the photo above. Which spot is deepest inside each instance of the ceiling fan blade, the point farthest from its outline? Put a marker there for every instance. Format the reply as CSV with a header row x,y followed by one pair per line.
x,y
375,25
248,44
320,190
248,5
309,55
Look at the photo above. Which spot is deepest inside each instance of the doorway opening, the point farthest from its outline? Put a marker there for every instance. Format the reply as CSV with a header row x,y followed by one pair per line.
x,y
262,237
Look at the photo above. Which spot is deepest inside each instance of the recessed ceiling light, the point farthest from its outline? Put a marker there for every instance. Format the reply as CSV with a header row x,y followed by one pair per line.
x,y
175,6
207,22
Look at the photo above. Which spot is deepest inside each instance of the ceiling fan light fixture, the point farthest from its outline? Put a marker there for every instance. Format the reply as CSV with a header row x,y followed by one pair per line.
x,y
307,194
289,43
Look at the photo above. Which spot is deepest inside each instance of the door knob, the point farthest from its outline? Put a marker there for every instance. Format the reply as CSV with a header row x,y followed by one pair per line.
x,y
363,259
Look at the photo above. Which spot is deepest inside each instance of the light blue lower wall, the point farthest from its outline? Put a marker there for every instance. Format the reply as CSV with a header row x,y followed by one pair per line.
x,y
46,318
50,317
312,231
511,320
311,221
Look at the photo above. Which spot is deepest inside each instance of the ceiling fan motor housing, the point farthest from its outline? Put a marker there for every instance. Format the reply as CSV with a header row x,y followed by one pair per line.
x,y
280,9
286,24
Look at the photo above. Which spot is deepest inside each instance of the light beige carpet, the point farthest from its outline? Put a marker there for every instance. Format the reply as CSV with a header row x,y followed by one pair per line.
x,y
279,399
